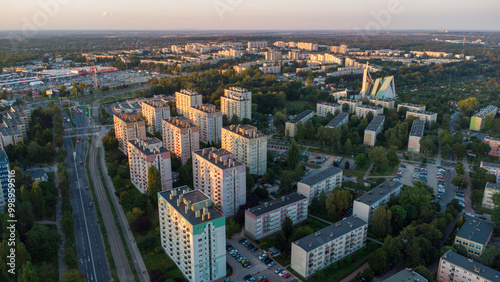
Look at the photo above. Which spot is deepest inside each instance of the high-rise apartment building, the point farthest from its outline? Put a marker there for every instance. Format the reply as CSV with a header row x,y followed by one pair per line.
x,y
144,153
193,234
455,267
323,181
236,101
181,136
247,145
365,205
128,127
375,127
185,99
155,111
217,174
209,119
4,179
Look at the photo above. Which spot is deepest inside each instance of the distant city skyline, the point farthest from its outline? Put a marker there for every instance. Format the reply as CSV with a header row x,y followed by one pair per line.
x,y
368,16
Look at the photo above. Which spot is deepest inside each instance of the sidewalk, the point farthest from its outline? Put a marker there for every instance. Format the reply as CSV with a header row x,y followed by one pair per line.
x,y
60,252
353,274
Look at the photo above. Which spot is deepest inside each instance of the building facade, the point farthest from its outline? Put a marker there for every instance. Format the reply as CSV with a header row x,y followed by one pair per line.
x,y
267,218
128,127
416,133
4,179
375,127
423,115
223,179
329,245
477,121
209,120
193,234
494,144
236,101
365,205
339,120
363,110
323,108
324,181
247,145
181,136
410,106
455,267
155,111
185,99
351,104
385,103
474,235
144,153
492,168
291,125
489,190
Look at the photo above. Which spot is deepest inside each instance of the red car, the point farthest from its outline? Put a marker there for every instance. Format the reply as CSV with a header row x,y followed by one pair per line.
x,y
286,275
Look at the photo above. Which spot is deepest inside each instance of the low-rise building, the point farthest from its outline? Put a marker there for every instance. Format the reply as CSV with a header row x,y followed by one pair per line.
x,y
10,136
339,120
455,267
329,245
154,112
385,103
494,145
423,115
411,106
492,168
351,104
181,137
416,133
363,110
291,125
406,275
209,120
193,234
323,108
489,190
267,218
477,121
474,235
128,127
323,181
375,127
39,175
365,205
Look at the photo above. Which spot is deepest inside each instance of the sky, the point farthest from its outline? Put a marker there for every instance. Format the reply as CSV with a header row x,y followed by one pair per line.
x,y
365,15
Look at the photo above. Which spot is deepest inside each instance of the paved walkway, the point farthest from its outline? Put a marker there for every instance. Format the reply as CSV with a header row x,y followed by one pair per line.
x,y
60,252
319,218
368,171
45,222
353,274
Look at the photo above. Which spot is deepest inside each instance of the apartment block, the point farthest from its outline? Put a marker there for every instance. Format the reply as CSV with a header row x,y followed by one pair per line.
x,y
155,111
128,127
385,103
209,119
323,181
492,168
365,205
477,121
411,106
181,136
10,136
236,101
489,190
22,111
328,245
16,123
144,153
406,275
423,115
351,104
363,110
193,234
291,125
247,145
375,127
267,218
455,267
475,235
494,144
307,46
339,120
323,108
272,55
416,133
257,44
4,179
185,99
217,174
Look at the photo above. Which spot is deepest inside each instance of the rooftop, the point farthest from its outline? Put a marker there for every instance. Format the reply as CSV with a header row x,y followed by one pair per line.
x,y
495,186
187,92
471,266
406,275
476,230
329,233
148,146
155,103
3,156
301,116
379,192
244,130
369,107
417,128
128,118
410,105
376,123
5,131
222,158
276,204
329,104
421,112
337,120
238,89
348,101
321,176
181,122
207,108
486,111
487,164
382,99
37,173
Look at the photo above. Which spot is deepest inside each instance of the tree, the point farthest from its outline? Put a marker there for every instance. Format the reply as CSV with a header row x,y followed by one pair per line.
x,y
378,262
398,218
360,160
460,182
468,106
419,196
281,241
293,155
378,156
347,165
42,243
337,202
422,270
141,224
72,275
393,247
459,150
232,228
286,180
459,168
28,273
154,183
287,227
70,257
381,222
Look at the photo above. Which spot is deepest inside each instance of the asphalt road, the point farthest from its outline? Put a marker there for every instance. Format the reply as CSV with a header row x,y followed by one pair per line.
x,y
90,249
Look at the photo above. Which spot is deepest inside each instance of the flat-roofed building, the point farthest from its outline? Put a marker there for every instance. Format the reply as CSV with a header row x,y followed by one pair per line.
x,y
247,145
492,168
328,245
236,101
291,125
209,119
193,234
181,136
339,120
16,123
267,218
406,275
323,108
217,174
423,115
416,133
351,104
363,110
185,99
494,145
385,103
365,205
154,111
474,235
375,127
128,127
490,189
23,113
477,120
323,181
4,179
10,136
455,267
411,106
144,153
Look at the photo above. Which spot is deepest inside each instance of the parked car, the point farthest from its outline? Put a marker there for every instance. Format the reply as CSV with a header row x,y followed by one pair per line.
x,y
282,273
271,263
229,280
253,249
278,270
247,277
250,246
247,264
286,275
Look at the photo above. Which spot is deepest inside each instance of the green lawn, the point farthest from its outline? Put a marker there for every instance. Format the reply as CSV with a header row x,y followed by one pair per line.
x,y
389,172
312,165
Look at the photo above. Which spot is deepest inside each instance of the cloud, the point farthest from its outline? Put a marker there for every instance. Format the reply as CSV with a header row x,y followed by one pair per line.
x,y
108,14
